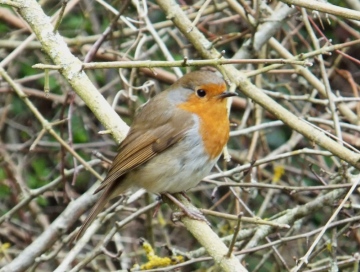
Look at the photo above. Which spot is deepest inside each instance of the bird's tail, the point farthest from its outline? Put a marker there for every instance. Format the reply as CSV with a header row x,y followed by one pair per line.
x,y
98,207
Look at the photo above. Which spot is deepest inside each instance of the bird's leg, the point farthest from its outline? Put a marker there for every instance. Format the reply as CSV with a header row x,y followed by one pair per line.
x,y
157,207
193,214
185,195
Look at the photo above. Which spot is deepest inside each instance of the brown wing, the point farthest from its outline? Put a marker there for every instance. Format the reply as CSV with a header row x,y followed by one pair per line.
x,y
138,148
155,128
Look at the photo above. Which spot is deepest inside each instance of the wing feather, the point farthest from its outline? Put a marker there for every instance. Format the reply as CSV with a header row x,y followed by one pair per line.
x,y
138,148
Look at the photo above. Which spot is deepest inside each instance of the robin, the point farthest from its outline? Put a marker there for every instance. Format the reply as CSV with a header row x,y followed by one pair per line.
x,y
174,141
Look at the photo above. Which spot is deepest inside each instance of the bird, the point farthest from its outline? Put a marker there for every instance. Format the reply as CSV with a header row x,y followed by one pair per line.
x,y
173,143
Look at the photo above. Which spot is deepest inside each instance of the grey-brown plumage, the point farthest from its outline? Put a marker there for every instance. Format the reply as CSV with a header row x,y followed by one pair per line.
x,y
164,150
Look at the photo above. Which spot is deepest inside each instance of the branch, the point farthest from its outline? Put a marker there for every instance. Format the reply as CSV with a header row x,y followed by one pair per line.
x,y
71,67
52,234
208,239
325,7
177,63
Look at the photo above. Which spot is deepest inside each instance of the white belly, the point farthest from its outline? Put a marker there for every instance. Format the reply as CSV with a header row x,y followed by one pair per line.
x,y
175,169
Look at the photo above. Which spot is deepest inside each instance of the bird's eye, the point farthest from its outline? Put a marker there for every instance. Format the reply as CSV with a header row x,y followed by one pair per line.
x,y
201,93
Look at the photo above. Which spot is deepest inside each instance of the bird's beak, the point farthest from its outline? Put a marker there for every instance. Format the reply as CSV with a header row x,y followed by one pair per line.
x,y
227,94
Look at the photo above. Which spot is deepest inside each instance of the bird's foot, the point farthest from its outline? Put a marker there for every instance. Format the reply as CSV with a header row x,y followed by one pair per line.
x,y
193,214
196,215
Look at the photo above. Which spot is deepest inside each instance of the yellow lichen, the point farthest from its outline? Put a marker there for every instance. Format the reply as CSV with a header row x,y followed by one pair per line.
x,y
3,248
155,261
278,173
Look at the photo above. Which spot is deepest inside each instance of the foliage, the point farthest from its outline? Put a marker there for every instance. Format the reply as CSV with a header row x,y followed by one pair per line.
x,y
275,167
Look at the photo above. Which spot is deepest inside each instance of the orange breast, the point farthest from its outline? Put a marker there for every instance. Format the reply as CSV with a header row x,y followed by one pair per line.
x,y
214,122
